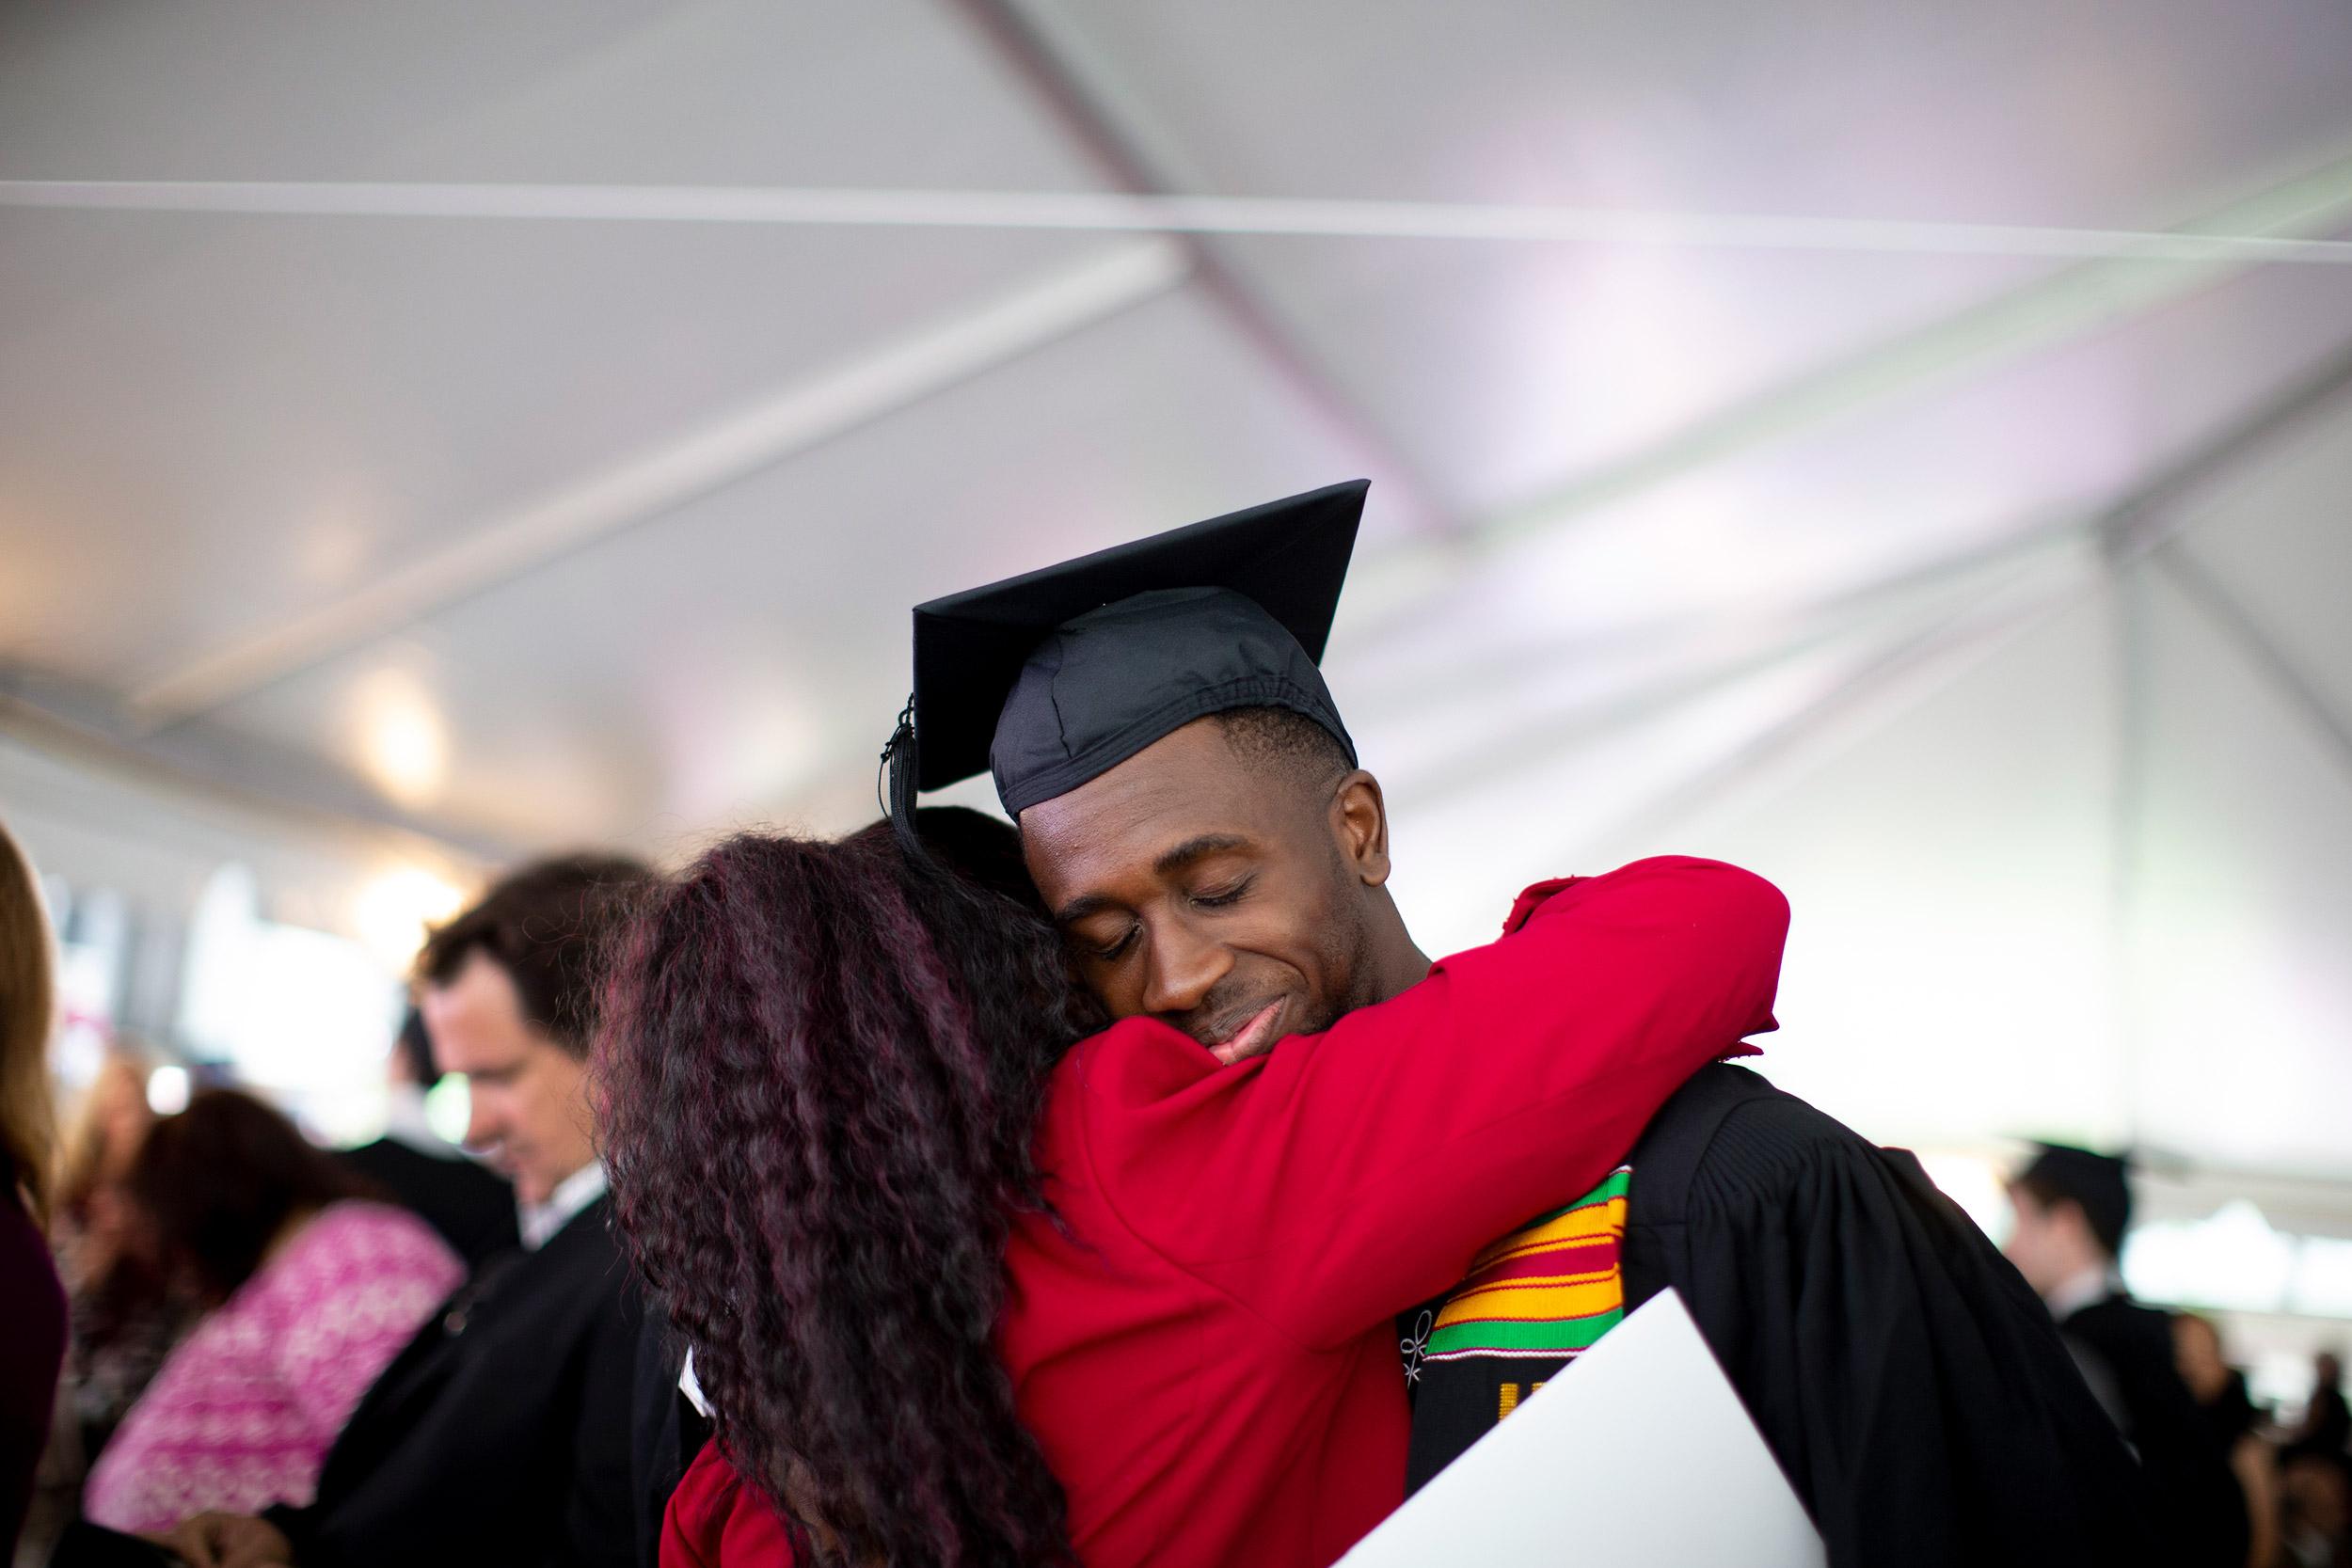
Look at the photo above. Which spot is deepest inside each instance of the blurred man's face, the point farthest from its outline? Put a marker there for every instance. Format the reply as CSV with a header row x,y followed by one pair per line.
x,y
530,1095
2050,1245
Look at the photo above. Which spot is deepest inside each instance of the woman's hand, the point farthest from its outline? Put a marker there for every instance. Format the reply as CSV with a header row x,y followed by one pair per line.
x,y
229,1541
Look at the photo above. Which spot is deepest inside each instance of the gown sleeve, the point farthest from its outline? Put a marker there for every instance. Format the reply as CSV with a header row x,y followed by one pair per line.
x,y
1913,1388
1346,1174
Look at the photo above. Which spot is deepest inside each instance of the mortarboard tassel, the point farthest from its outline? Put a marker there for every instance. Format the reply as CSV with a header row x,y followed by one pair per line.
x,y
900,758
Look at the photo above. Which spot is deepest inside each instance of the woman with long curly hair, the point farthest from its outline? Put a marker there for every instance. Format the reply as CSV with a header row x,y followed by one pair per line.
x,y
824,1066
965,1289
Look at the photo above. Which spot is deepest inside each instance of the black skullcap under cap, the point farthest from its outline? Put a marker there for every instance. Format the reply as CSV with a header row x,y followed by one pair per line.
x,y
2100,1183
1057,677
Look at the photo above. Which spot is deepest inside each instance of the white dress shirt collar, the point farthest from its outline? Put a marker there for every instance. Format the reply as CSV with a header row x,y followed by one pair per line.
x,y
2073,1294
539,1222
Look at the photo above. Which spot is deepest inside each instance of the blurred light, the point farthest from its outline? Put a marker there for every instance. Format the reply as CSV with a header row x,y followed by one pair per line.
x,y
1976,1185
216,974
2323,1278
394,911
2282,1379
305,1016
449,1107
93,935
404,744
2231,1260
168,1090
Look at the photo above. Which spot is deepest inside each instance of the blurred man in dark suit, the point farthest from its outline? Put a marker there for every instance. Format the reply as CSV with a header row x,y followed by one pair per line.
x,y
2073,1208
503,1432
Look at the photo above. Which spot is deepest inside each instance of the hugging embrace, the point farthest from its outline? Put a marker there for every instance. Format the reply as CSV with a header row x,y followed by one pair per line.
x,y
1129,1187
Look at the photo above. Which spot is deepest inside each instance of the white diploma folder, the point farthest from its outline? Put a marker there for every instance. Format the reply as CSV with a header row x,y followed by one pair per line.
x,y
1639,1454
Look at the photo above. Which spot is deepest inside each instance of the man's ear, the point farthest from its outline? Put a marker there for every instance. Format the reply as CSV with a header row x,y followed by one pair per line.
x,y
1359,820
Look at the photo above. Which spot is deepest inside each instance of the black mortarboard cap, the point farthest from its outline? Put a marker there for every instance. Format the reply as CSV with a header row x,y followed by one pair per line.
x,y
2100,1183
1056,678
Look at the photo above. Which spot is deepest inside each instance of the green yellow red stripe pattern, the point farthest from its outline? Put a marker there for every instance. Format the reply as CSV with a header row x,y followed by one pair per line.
x,y
1548,1289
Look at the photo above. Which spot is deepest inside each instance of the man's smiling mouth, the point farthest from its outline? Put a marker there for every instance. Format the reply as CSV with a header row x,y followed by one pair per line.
x,y
1255,1038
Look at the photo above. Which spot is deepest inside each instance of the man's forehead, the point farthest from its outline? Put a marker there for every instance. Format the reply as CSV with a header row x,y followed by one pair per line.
x,y
478,1015
1186,787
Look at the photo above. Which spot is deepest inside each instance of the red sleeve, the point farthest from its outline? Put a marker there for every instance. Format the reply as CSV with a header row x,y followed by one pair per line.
x,y
715,1521
1345,1176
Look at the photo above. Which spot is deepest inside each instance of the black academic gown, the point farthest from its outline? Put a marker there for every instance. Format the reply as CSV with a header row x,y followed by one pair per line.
x,y
1910,1384
473,1208
1913,1388
665,1432
501,1436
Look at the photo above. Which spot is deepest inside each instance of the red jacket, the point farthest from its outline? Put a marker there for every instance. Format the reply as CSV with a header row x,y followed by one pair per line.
x,y
1207,1356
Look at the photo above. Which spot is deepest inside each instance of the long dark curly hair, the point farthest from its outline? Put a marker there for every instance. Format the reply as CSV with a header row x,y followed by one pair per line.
x,y
823,1064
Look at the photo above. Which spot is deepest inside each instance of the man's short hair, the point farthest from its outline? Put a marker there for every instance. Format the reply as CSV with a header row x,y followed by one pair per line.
x,y
1284,739
548,926
2098,1185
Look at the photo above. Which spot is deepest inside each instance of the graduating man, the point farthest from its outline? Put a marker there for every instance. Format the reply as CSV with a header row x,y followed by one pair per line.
x,y
1194,817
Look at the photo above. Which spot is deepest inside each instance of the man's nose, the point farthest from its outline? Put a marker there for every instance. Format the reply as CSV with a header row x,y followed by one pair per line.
x,y
1183,970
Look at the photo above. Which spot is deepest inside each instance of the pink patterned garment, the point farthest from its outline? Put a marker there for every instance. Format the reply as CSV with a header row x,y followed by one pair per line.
x,y
244,1411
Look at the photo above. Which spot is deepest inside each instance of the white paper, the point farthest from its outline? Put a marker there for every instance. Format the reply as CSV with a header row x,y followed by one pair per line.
x,y
1639,1454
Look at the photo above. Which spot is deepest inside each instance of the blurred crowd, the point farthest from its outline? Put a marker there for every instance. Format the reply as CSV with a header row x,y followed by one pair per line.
x,y
237,1347
232,1344
2240,1480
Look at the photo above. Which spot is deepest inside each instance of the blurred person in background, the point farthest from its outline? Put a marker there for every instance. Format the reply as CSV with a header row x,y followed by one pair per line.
x,y
2317,1523
309,1288
2073,1208
32,1298
108,1126
502,1433
472,1207
2326,1423
126,1318
123,1316
2219,1391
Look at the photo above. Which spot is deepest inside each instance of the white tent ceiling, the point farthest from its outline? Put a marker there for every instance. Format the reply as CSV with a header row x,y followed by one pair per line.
x,y
1823,543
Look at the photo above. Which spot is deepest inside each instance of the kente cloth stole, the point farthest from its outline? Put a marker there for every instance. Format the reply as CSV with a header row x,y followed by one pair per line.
x,y
1531,1304
1546,1290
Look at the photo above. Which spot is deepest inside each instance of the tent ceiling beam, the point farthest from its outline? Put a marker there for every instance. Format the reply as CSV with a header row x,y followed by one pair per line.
x,y
197,760
1120,212
2037,317
2280,670
2150,514
879,381
1076,86
2147,518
